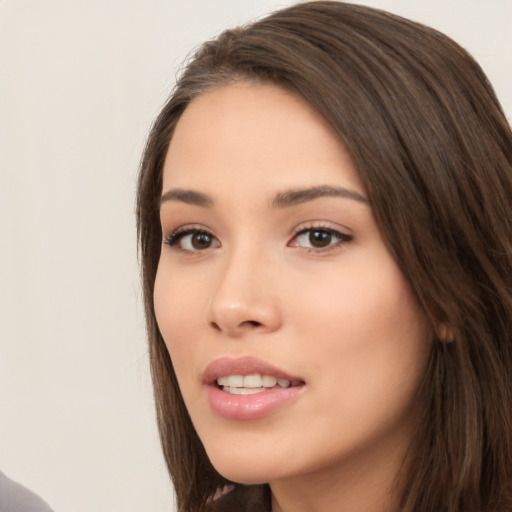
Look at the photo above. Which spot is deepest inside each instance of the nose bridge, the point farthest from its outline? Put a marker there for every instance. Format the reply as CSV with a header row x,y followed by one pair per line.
x,y
244,299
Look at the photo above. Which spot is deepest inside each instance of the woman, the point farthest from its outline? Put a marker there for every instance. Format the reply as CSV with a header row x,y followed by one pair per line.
x,y
325,231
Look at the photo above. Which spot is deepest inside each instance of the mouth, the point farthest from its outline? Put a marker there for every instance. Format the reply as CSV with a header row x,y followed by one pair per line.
x,y
253,383
247,373
248,388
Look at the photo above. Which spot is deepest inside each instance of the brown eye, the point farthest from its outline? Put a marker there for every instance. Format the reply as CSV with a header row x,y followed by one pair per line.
x,y
320,239
201,241
192,240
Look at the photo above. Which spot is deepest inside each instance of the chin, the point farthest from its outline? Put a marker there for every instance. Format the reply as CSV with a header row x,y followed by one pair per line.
x,y
244,470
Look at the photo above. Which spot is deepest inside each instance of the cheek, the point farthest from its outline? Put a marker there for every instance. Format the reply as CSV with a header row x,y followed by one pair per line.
x,y
366,326
178,306
366,347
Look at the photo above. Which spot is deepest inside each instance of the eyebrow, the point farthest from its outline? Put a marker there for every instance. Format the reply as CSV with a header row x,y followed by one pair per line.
x,y
187,196
303,195
281,200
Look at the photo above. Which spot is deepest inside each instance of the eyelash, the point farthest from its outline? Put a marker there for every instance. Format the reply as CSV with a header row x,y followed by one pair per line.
x,y
179,234
340,238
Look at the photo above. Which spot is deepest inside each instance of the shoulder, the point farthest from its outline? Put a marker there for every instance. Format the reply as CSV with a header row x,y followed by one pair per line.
x,y
14,497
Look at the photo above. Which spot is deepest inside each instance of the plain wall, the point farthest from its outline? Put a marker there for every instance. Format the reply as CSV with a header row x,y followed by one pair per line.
x,y
80,83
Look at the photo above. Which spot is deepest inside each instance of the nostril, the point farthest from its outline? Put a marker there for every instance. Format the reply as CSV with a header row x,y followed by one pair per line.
x,y
233,326
251,323
215,326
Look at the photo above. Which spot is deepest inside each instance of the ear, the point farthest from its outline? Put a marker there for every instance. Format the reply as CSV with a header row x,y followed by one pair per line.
x,y
445,333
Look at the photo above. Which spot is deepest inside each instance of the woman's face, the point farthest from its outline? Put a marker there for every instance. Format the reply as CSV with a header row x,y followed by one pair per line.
x,y
297,342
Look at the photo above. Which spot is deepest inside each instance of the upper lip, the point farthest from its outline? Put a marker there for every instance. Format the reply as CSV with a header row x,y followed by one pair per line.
x,y
225,366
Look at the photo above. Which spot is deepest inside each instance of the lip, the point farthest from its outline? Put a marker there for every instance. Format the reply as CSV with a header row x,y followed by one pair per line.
x,y
243,366
248,407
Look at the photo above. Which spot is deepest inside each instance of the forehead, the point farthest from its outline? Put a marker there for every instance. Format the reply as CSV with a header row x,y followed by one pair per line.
x,y
258,133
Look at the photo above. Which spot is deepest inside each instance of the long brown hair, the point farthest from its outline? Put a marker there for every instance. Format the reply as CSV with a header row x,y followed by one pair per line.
x,y
434,150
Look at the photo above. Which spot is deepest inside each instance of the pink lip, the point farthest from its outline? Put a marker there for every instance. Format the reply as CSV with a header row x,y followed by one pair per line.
x,y
248,407
243,366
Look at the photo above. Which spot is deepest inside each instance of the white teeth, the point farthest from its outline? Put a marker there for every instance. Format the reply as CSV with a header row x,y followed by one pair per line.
x,y
222,381
243,391
233,381
269,382
253,383
284,383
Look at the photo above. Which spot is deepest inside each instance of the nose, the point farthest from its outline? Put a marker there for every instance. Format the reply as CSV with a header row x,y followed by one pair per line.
x,y
245,298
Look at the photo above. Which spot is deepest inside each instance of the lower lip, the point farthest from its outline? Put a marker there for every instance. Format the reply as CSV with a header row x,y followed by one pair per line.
x,y
250,407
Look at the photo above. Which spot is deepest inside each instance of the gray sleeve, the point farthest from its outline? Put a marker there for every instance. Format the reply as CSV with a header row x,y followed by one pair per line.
x,y
14,497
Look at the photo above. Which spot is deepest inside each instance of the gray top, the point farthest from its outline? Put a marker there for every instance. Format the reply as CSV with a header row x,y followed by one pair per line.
x,y
16,498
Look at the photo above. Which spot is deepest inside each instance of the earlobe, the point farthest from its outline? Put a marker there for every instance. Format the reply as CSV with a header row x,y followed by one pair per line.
x,y
445,333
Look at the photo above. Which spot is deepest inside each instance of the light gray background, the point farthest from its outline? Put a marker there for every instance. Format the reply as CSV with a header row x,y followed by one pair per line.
x,y
80,83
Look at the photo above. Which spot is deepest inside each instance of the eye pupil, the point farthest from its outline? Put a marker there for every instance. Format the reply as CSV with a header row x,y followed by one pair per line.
x,y
319,238
201,241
